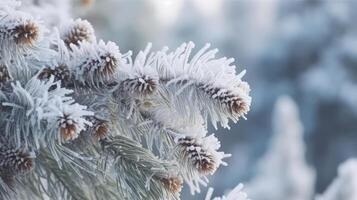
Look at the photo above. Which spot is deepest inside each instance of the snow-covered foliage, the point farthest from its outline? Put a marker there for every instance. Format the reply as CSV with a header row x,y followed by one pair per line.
x,y
282,173
345,185
81,120
235,194
302,48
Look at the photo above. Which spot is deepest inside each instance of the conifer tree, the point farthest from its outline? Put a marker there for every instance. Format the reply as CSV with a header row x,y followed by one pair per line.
x,y
80,119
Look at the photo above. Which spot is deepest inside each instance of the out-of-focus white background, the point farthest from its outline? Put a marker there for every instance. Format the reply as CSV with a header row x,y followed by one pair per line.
x,y
306,49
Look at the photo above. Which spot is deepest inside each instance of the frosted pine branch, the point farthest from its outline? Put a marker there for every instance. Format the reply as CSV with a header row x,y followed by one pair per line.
x,y
141,171
103,124
210,85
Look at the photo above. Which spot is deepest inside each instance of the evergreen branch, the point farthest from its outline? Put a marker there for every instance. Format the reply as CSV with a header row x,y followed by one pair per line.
x,y
138,170
71,182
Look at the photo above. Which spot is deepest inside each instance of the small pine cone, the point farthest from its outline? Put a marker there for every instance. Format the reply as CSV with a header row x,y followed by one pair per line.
x,y
60,73
203,161
172,184
96,63
26,33
108,67
4,75
237,103
144,85
72,120
17,29
78,31
101,129
15,161
68,128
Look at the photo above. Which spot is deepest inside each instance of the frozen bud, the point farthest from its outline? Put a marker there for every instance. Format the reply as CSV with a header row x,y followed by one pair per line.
x,y
17,28
15,161
60,73
68,128
26,33
237,101
77,31
72,121
101,129
172,184
144,85
200,159
95,63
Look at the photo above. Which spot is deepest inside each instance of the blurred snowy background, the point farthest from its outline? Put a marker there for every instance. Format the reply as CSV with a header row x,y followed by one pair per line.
x,y
304,49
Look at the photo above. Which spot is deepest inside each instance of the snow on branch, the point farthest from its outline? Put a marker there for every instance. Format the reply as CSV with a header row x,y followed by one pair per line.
x,y
204,81
40,102
103,124
235,194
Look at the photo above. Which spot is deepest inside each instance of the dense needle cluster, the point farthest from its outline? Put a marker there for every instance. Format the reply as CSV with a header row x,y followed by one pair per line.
x,y
105,124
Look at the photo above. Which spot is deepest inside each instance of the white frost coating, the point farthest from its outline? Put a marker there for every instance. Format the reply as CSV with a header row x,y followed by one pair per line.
x,y
283,173
235,194
344,187
196,83
140,106
184,70
35,103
